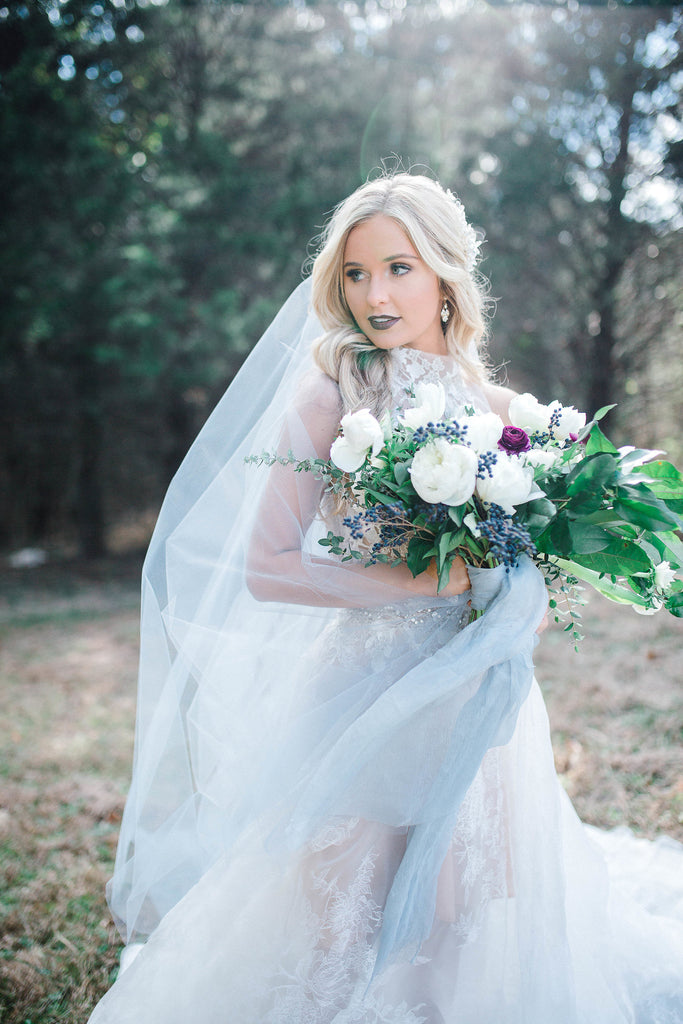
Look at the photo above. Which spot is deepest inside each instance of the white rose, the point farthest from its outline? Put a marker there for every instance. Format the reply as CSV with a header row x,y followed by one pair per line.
x,y
430,402
571,420
664,576
361,431
527,412
509,484
483,431
444,472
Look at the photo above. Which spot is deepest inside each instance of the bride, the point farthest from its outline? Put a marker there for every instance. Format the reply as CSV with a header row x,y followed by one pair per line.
x,y
344,806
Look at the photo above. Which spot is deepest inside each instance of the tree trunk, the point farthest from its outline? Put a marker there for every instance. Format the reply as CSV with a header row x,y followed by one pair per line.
x,y
89,507
601,364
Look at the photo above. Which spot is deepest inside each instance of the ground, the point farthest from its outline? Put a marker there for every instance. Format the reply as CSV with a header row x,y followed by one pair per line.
x,y
68,658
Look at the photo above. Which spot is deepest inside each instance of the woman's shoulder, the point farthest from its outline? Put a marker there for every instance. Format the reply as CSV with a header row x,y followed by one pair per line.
x,y
318,402
317,388
499,397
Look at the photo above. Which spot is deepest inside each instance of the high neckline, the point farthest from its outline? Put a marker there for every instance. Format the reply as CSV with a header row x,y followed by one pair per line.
x,y
418,355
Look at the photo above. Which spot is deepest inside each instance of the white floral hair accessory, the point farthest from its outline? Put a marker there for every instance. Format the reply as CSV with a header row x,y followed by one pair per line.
x,y
472,241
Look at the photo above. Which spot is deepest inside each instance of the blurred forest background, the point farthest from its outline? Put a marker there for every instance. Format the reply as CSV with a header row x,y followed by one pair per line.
x,y
165,165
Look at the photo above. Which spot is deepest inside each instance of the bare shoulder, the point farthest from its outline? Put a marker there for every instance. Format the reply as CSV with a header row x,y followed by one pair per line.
x,y
499,399
317,390
318,409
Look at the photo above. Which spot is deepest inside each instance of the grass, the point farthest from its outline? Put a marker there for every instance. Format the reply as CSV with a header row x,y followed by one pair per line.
x,y
68,651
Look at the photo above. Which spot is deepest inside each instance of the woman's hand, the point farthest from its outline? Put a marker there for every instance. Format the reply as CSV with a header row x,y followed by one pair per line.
x,y
458,578
543,624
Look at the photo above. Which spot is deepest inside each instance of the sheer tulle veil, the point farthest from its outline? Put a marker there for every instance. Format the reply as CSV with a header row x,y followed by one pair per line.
x,y
193,579
244,728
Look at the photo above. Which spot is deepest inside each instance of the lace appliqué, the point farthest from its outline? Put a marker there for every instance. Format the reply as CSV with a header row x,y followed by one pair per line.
x,y
410,366
330,985
479,850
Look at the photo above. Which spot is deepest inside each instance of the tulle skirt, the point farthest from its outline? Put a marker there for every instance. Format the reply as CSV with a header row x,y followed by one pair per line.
x,y
538,919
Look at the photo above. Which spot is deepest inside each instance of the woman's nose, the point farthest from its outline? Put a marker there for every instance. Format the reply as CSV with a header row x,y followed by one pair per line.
x,y
377,291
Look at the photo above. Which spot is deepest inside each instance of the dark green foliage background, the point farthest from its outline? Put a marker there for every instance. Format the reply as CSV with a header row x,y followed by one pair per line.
x,y
166,165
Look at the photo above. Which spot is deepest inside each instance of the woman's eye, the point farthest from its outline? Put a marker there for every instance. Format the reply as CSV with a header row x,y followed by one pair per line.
x,y
398,269
354,275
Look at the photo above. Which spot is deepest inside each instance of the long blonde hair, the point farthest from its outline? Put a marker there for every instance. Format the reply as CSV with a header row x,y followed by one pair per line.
x,y
435,223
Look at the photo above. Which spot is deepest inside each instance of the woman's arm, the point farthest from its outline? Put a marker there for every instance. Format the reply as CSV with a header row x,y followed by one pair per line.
x,y
277,568
499,399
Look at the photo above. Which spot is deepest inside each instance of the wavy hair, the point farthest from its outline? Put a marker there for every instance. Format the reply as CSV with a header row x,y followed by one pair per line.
x,y
435,222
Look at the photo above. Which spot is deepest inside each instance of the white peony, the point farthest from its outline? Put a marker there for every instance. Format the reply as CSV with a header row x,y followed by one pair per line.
x,y
571,420
361,432
664,576
527,412
483,431
430,403
444,472
540,457
510,483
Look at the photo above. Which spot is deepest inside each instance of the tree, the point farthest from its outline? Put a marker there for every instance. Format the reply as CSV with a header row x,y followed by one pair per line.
x,y
591,165
59,238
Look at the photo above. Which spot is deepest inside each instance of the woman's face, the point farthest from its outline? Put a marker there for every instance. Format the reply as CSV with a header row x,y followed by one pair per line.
x,y
394,297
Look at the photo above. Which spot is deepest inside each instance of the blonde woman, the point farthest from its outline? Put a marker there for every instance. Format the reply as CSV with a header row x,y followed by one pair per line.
x,y
344,806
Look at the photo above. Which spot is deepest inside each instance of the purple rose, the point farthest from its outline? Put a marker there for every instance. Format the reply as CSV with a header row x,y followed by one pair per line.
x,y
514,440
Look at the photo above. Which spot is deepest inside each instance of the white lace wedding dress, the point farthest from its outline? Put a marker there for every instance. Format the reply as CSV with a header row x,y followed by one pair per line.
x,y
535,919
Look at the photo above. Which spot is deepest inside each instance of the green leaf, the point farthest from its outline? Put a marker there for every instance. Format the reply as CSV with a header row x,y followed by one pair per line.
x,y
597,442
665,481
595,472
444,574
586,538
444,548
541,507
602,411
636,458
645,515
674,604
560,538
618,592
637,504
401,473
381,497
331,541
585,431
669,547
586,503
456,513
620,558
536,515
665,472
475,547
419,554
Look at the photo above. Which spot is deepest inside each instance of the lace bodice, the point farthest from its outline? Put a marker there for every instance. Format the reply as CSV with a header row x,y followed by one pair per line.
x,y
411,366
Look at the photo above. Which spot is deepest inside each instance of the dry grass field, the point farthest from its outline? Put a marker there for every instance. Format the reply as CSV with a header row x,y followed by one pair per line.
x,y
68,648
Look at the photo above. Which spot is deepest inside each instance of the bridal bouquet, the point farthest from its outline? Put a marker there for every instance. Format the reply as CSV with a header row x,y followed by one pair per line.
x,y
550,486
